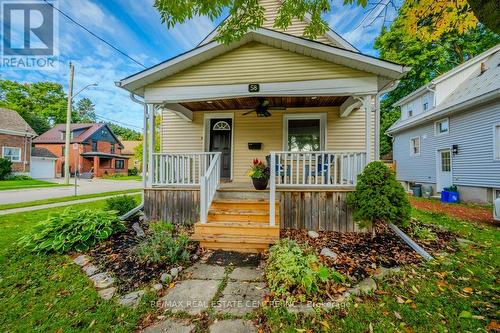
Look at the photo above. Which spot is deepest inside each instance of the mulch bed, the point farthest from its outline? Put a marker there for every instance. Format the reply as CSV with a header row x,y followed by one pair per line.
x,y
360,254
117,256
459,211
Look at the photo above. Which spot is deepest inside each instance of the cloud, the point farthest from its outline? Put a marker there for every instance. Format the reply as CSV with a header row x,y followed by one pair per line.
x,y
190,33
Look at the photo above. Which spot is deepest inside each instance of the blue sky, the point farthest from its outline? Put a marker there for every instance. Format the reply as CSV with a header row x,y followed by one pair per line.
x,y
135,27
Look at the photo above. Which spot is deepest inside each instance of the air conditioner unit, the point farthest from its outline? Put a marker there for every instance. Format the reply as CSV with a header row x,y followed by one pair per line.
x,y
496,209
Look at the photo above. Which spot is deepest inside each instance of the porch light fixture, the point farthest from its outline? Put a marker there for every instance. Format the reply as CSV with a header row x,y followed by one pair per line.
x,y
454,149
209,102
314,97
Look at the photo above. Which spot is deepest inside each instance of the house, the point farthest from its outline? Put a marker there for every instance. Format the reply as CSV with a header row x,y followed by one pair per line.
x,y
449,131
94,149
309,107
43,163
128,150
15,140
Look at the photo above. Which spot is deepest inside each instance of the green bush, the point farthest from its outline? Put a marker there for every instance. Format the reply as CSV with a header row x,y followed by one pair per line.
x,y
5,168
162,245
133,172
379,197
122,204
18,177
72,230
294,272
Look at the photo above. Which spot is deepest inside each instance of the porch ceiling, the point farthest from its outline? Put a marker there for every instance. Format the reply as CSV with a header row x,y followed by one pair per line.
x,y
252,102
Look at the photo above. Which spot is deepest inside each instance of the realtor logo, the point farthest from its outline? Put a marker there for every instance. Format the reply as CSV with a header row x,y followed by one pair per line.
x,y
29,31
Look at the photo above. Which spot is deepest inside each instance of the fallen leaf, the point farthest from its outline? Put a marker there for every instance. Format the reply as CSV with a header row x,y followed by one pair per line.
x,y
493,326
465,314
467,290
397,315
325,323
400,300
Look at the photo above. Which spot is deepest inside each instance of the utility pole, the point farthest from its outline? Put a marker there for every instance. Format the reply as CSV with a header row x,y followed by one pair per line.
x,y
68,124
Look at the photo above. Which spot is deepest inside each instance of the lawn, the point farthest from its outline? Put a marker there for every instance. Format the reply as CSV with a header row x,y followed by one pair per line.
x,y
64,199
20,184
122,177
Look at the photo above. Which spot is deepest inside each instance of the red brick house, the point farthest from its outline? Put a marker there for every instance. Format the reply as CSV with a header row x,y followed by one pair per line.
x,y
15,140
94,149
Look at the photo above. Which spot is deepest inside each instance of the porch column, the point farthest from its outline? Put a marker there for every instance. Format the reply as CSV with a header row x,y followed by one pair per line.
x,y
368,107
96,166
151,144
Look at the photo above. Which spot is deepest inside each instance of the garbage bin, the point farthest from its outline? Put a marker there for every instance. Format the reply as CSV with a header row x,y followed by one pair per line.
x,y
427,191
417,190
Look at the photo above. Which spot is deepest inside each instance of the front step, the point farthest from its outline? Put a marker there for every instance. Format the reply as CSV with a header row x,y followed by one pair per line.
x,y
238,243
239,215
236,229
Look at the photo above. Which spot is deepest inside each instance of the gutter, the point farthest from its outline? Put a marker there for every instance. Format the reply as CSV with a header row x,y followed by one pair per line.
x,y
410,242
144,161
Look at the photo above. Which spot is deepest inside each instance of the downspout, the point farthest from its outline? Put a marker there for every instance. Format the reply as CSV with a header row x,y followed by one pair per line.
x,y
144,158
433,91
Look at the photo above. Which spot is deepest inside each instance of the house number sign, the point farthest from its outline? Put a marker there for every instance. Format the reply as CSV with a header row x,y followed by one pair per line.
x,y
254,87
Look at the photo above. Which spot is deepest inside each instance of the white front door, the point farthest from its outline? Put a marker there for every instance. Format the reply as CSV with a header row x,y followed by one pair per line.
x,y
444,169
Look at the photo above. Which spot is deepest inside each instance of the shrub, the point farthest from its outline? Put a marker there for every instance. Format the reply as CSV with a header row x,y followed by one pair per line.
x,y
293,271
423,233
5,168
72,230
379,197
18,177
133,172
162,245
122,204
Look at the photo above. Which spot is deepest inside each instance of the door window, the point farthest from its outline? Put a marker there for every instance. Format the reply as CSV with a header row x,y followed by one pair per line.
x,y
446,161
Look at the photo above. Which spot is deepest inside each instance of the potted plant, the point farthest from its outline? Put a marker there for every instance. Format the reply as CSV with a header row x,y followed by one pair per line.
x,y
259,173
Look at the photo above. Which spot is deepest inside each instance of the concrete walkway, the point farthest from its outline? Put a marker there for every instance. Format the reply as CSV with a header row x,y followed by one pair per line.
x,y
85,186
58,204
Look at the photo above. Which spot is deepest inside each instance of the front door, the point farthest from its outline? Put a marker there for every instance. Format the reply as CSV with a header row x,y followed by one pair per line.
x,y
220,141
444,169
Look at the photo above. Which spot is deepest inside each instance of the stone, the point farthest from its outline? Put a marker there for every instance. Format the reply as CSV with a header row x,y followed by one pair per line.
x,y
384,272
138,230
191,296
366,286
239,298
200,271
247,274
170,326
195,257
165,277
157,287
328,253
107,293
313,234
90,269
174,271
102,280
81,260
233,326
131,299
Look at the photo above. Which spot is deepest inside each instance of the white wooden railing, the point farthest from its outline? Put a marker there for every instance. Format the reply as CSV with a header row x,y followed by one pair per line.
x,y
312,169
180,169
209,183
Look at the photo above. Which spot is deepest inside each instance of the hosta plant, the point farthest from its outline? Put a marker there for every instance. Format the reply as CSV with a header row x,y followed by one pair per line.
x,y
122,204
72,230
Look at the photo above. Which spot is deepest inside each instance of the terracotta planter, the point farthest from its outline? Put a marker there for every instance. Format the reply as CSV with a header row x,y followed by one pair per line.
x,y
260,183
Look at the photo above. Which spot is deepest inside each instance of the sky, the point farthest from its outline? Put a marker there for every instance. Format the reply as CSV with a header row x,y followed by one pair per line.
x,y
134,26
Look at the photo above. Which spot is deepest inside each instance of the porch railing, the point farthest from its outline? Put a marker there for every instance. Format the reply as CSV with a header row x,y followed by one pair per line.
x,y
180,169
312,169
209,183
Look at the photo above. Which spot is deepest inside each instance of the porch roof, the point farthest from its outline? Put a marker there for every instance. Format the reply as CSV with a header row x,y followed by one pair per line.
x,y
103,155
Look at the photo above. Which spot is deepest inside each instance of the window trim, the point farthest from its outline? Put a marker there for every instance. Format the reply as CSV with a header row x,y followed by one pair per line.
x,y
120,160
13,161
412,153
495,191
304,116
495,147
436,124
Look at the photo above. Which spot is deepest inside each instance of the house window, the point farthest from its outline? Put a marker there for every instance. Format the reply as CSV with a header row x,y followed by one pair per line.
x,y
446,161
496,141
497,194
12,154
410,113
119,164
426,106
442,126
304,133
94,145
112,148
62,150
415,146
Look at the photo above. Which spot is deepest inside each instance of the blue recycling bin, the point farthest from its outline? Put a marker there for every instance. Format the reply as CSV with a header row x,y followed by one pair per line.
x,y
453,197
444,196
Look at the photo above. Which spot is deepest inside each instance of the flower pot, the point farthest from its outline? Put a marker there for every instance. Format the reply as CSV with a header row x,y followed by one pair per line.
x,y
260,183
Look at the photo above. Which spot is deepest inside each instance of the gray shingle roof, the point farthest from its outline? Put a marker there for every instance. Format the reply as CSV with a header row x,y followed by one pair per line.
x,y
41,152
10,120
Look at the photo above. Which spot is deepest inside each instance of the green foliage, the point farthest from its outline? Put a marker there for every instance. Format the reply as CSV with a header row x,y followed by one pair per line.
x,y
379,197
17,177
423,233
133,172
122,204
85,111
5,168
125,133
72,230
293,272
163,245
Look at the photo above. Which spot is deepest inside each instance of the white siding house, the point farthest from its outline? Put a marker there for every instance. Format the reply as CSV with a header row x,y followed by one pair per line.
x,y
449,131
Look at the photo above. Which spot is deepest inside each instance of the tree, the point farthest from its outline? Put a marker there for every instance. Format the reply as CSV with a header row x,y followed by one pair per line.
x,y
85,111
428,19
125,133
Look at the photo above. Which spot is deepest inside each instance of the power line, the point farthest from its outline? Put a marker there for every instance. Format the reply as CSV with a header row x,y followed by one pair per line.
x,y
117,122
93,34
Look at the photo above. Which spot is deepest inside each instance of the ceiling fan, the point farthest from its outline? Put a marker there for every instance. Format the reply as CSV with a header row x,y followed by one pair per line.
x,y
262,110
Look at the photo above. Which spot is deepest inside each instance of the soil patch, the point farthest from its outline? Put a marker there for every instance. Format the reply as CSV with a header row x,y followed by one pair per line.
x,y
228,258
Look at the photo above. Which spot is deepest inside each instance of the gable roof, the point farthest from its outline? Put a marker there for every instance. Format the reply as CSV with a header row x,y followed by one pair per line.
x,y
42,152
12,123
54,135
136,82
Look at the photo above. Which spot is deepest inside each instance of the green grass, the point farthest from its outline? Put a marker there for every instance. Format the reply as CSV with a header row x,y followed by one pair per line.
x,y
436,295
48,293
20,184
64,199
122,177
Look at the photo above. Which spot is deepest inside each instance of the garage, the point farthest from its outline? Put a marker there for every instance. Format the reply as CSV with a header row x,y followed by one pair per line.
x,y
42,164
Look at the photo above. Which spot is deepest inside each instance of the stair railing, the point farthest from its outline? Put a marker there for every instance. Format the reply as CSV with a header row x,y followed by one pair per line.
x,y
209,183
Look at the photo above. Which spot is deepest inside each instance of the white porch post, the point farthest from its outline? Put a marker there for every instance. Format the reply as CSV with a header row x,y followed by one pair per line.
x,y
272,192
145,147
151,143
367,105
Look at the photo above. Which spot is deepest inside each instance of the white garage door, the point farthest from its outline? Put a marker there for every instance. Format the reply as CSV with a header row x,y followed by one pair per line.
x,y
41,168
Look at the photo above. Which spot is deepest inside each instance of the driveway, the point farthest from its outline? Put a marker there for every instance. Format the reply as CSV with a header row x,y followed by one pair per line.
x,y
85,186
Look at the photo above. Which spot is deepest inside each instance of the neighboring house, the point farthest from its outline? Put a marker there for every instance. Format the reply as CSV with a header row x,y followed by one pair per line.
x,y
449,130
94,149
43,163
128,150
15,140
306,106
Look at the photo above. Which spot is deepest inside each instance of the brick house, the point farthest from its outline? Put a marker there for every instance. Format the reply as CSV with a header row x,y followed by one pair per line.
x,y
15,140
94,149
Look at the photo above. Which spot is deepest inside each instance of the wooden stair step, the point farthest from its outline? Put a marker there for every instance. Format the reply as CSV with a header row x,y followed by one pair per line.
x,y
236,229
236,224
232,211
235,239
